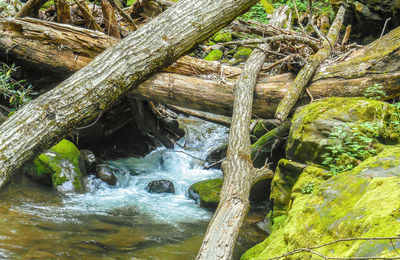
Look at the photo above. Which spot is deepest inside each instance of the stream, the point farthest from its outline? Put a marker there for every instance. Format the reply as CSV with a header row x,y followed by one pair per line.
x,y
122,221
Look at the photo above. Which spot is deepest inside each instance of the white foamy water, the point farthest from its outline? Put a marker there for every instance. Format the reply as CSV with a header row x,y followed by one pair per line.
x,y
129,196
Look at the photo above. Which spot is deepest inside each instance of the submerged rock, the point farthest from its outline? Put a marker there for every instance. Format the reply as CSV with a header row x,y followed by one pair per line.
x,y
62,167
90,160
106,174
160,186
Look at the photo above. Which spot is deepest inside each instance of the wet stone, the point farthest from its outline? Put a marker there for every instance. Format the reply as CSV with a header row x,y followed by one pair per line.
x,y
106,174
160,186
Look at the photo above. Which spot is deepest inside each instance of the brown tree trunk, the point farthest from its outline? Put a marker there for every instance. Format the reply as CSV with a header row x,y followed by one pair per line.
x,y
31,8
82,97
306,74
239,174
109,19
63,12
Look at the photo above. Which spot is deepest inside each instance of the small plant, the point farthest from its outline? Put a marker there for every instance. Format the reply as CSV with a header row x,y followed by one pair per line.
x,y
374,92
308,188
350,144
14,91
257,12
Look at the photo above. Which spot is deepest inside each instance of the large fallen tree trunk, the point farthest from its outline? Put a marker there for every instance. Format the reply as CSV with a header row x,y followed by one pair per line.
x,y
62,48
239,173
93,89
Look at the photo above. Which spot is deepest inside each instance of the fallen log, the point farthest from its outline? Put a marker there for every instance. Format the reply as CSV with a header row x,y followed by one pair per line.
x,y
306,74
64,49
239,173
90,91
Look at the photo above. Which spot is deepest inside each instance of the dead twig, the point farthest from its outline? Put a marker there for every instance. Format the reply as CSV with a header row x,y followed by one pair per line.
x,y
123,14
311,249
292,38
89,15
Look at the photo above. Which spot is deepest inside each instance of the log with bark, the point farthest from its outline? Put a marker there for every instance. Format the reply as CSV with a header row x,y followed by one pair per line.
x,y
63,49
83,96
306,74
239,173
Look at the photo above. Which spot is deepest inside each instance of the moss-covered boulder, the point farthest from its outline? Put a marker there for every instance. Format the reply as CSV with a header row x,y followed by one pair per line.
x,y
241,55
286,175
362,202
62,167
206,193
214,55
223,37
339,133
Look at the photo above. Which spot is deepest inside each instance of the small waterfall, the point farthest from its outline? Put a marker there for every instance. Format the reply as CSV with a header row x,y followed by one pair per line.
x,y
129,196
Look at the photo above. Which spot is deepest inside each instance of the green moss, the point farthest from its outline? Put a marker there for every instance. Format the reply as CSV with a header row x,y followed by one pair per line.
x,y
242,53
208,191
214,55
58,165
348,130
363,202
223,37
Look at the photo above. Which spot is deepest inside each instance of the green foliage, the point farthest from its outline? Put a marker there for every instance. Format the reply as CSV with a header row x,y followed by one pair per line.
x,y
257,13
14,91
308,188
350,144
374,92
319,7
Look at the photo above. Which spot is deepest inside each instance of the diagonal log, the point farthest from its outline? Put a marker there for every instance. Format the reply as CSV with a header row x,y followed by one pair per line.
x,y
239,174
87,93
306,74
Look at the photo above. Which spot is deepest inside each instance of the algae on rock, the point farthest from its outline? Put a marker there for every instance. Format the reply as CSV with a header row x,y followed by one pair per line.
x,y
363,202
61,166
313,206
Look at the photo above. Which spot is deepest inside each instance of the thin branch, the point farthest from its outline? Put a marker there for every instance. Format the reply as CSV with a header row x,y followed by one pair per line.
x,y
123,14
310,249
298,16
384,27
89,15
292,38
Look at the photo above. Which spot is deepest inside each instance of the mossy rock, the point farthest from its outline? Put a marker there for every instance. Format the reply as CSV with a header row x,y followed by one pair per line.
x,y
214,55
285,177
223,37
62,167
242,53
339,133
363,202
206,193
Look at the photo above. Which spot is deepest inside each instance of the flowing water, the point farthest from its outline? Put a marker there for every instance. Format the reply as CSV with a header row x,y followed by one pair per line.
x,y
124,221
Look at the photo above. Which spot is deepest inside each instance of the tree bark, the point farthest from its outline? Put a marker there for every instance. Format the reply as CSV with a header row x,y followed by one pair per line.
x,y
239,174
109,19
82,97
63,12
306,74
64,49
31,8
